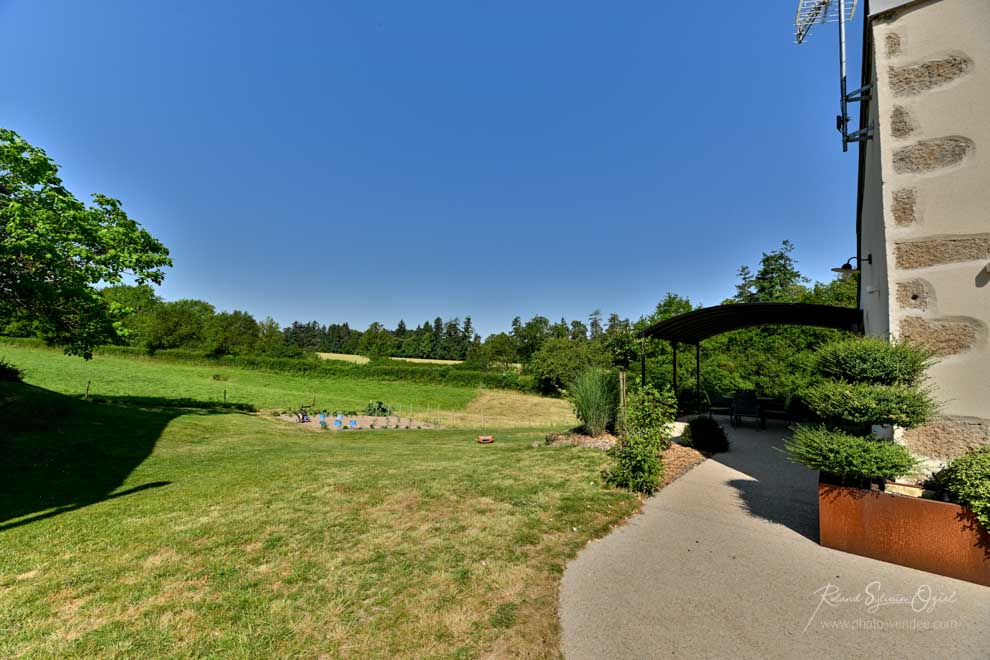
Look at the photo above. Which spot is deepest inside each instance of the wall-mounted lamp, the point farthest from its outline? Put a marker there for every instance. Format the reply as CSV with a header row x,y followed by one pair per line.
x,y
846,270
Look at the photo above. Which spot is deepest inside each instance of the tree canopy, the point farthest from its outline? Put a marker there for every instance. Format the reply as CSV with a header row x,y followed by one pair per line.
x,y
55,251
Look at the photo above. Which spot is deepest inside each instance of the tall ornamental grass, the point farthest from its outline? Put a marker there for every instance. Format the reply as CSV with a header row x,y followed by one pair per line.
x,y
595,397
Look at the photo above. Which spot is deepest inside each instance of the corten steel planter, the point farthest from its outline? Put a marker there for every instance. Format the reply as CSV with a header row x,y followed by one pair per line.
x,y
933,536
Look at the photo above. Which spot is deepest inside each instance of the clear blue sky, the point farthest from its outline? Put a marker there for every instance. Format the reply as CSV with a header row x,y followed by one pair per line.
x,y
374,160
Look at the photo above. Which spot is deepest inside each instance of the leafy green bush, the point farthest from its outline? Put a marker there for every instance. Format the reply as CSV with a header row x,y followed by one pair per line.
x,y
705,434
9,373
873,360
638,465
559,361
862,404
967,482
595,397
651,412
852,458
377,409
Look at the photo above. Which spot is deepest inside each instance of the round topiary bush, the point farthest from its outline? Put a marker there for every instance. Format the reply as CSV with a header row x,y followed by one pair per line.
x,y
864,404
855,460
872,360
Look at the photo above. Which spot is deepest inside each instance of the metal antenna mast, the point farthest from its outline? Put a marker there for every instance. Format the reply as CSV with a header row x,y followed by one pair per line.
x,y
814,12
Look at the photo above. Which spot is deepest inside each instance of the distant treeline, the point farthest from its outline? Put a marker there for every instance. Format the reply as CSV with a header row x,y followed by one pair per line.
x,y
774,360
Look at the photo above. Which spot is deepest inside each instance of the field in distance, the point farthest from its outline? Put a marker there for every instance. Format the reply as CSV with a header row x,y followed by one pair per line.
x,y
147,381
360,359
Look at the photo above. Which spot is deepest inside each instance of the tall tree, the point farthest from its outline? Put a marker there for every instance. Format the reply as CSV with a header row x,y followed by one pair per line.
x,y
595,328
55,250
776,280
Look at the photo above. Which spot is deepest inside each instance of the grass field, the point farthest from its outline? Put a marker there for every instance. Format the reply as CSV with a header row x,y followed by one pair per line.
x,y
121,377
147,381
132,530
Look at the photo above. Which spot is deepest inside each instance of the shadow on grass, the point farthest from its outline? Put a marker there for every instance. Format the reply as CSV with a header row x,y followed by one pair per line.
x,y
59,453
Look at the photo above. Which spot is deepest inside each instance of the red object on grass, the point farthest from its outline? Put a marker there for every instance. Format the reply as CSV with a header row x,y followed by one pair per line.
x,y
486,439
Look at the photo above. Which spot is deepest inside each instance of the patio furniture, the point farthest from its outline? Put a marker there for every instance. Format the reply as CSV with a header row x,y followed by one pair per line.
x,y
777,409
745,404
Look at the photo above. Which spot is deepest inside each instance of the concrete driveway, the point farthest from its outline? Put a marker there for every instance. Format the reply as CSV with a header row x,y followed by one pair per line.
x,y
724,562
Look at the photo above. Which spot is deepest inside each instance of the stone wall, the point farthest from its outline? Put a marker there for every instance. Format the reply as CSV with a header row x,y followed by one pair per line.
x,y
932,103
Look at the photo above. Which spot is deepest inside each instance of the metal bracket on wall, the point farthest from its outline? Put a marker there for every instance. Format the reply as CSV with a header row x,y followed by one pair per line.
x,y
842,121
815,12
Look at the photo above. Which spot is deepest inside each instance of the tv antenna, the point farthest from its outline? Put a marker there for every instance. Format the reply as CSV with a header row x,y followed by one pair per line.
x,y
814,12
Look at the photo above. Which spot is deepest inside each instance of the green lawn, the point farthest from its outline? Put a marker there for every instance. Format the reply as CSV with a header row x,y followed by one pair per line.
x,y
147,531
120,377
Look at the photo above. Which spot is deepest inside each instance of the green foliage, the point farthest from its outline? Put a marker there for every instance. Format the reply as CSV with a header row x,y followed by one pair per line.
x,y
559,361
705,434
8,372
376,342
55,250
595,396
620,345
500,350
231,333
638,464
863,404
179,324
967,482
137,302
651,412
854,459
378,409
873,360
777,279
637,467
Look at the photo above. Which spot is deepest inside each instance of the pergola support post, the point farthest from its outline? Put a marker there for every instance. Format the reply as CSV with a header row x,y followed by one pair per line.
x,y
697,376
673,345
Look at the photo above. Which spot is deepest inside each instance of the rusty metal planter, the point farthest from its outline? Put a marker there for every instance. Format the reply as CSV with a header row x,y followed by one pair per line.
x,y
933,536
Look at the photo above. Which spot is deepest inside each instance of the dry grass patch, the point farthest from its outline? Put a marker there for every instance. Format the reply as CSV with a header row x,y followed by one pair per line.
x,y
507,409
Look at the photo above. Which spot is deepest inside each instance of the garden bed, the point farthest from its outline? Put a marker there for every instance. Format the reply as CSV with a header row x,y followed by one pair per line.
x,y
938,537
362,423
677,459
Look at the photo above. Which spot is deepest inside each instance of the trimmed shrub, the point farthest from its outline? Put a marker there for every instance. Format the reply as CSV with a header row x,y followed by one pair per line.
x,y
862,404
967,482
651,412
9,373
873,360
705,434
595,397
853,459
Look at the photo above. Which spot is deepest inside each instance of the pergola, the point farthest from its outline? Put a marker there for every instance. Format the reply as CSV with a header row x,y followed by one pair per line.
x,y
694,327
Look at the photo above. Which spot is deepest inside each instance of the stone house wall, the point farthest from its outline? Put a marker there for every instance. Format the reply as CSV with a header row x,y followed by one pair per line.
x,y
929,166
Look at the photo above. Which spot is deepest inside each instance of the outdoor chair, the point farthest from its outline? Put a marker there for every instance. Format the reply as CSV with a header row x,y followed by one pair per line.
x,y
745,404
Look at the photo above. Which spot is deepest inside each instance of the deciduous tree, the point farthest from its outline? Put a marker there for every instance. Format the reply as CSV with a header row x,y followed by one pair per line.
x,y
55,251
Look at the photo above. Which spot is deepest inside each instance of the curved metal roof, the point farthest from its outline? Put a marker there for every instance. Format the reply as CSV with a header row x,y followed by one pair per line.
x,y
701,324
